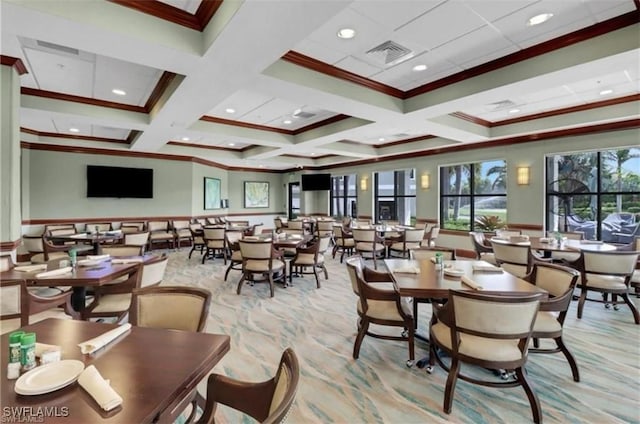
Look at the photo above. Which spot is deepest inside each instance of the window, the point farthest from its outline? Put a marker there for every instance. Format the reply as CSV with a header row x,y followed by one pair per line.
x,y
597,193
473,196
343,196
395,196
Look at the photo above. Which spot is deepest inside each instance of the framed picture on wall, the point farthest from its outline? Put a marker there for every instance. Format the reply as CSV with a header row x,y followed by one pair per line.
x,y
211,193
256,194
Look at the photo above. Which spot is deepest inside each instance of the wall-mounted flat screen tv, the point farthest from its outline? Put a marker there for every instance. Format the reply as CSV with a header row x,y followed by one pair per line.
x,y
316,182
114,181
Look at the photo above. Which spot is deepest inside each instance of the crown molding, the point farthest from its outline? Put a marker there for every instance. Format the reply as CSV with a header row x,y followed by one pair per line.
x,y
15,63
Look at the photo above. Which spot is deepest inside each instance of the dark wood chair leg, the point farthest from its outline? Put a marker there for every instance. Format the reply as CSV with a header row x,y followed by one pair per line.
x,y
570,359
450,387
362,330
531,395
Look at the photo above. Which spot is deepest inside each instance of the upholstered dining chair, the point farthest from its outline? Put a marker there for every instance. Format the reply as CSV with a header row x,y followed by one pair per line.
x,y
344,242
566,257
132,227
261,263
380,305
409,240
21,305
197,237
214,241
635,278
38,254
159,232
311,256
181,231
266,402
114,300
368,244
489,331
137,239
559,282
170,307
608,273
325,227
482,247
430,236
516,259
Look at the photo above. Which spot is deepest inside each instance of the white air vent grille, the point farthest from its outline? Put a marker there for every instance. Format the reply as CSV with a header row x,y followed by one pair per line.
x,y
400,135
390,53
304,115
58,47
503,104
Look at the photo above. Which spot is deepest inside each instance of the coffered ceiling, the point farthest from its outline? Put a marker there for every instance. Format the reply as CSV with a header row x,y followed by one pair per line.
x,y
269,84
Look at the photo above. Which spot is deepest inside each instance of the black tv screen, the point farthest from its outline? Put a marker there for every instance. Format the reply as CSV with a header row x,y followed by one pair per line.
x,y
315,182
114,181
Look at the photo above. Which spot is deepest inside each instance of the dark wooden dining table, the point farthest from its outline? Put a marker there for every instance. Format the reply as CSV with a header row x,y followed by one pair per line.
x,y
80,278
153,370
96,239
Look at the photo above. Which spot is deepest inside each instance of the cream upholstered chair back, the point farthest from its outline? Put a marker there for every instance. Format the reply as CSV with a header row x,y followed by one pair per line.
x,y
572,235
62,231
153,271
233,236
391,222
337,231
296,225
553,278
323,244
286,385
430,252
325,227
6,263
90,227
364,235
257,229
508,233
214,237
513,258
33,244
13,305
180,224
136,239
132,227
255,250
497,317
157,226
123,250
413,236
618,263
172,308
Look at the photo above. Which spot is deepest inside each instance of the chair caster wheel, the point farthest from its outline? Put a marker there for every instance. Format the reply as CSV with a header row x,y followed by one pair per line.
x,y
405,333
504,374
409,363
607,306
429,369
616,307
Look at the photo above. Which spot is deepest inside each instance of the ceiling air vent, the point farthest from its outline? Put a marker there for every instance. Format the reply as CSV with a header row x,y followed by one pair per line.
x,y
58,47
400,135
503,104
303,115
390,53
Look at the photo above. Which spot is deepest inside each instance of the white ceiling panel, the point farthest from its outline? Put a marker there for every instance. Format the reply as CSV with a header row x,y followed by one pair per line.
x,y
496,9
474,46
242,102
396,13
357,66
190,6
138,83
319,51
267,112
36,122
436,27
62,74
109,132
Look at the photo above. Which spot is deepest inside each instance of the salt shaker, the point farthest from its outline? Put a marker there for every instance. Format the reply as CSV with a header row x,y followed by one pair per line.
x,y
438,261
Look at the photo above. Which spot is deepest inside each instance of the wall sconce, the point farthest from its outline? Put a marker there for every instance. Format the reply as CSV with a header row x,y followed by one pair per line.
x,y
522,175
363,183
425,181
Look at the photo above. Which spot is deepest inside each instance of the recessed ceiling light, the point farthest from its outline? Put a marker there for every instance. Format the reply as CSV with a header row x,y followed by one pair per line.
x,y
287,121
119,92
346,33
185,138
538,19
313,154
605,92
232,144
230,110
514,111
74,130
381,139
421,67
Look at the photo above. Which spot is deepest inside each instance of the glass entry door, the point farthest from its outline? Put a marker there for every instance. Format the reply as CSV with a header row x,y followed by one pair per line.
x,y
294,200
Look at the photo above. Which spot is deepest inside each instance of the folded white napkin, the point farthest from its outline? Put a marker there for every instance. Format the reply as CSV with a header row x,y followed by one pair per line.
x,y
469,282
295,236
546,240
98,257
99,388
78,236
102,340
31,268
42,348
407,270
485,267
53,273
88,262
251,238
590,241
126,260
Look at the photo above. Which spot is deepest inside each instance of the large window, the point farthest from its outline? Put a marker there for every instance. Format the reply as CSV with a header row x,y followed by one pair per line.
x,y
597,193
343,196
473,196
395,196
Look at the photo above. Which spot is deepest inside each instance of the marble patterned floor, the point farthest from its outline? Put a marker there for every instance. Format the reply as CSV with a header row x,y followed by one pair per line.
x,y
320,325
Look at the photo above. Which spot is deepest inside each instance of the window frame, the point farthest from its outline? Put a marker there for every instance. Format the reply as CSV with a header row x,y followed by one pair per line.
x,y
346,198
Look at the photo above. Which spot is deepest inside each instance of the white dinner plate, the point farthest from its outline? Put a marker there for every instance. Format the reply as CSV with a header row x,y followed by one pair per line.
x,y
49,377
454,272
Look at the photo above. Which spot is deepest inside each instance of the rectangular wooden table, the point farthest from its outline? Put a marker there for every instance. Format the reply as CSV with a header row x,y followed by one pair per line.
x,y
79,279
432,284
96,240
153,370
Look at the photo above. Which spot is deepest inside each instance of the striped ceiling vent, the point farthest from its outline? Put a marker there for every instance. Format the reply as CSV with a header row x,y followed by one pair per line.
x,y
390,53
